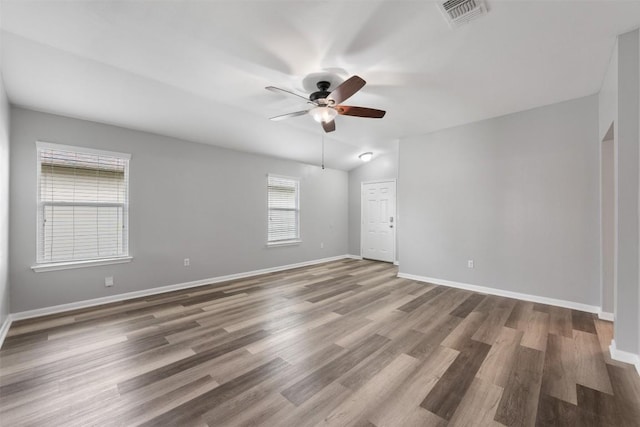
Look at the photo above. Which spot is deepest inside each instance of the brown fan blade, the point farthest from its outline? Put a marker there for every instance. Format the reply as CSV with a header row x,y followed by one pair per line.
x,y
346,89
347,110
329,126
288,115
283,91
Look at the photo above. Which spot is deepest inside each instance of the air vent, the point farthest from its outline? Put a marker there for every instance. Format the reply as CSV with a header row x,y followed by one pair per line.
x,y
459,12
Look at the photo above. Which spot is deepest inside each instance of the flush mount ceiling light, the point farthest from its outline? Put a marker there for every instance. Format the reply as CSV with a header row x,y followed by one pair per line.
x,y
365,157
323,114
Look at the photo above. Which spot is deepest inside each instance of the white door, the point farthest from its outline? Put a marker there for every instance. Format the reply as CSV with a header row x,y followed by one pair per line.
x,y
379,220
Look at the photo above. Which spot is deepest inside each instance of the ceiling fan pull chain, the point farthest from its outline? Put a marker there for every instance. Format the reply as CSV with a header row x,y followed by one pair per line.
x,y
322,151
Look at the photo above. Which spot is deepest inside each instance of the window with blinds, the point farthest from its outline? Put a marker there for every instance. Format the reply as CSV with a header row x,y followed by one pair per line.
x,y
283,209
82,204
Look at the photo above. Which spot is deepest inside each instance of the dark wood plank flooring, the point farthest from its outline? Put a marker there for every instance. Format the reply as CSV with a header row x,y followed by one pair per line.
x,y
341,343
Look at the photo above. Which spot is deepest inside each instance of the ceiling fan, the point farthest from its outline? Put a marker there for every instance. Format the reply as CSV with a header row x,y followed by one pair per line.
x,y
327,104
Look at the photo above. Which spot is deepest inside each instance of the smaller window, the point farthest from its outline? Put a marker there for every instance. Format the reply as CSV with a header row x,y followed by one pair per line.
x,y
283,210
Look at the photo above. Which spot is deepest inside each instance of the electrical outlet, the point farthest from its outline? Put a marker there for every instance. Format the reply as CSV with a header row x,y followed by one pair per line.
x,y
108,281
470,263
321,245
187,262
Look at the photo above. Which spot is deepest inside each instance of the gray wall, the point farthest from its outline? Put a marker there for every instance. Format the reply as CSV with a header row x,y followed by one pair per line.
x,y
608,96
619,101
380,168
4,204
519,194
628,139
187,200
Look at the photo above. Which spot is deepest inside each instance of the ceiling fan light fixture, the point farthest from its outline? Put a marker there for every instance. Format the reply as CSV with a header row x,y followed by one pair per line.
x,y
365,157
323,114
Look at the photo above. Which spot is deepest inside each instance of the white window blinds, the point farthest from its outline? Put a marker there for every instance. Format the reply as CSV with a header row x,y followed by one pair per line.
x,y
284,209
82,204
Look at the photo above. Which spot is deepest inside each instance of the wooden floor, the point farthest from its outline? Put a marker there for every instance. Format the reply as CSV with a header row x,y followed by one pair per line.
x,y
342,343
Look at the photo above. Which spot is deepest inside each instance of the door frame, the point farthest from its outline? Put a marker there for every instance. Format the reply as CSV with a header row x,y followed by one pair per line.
x,y
395,233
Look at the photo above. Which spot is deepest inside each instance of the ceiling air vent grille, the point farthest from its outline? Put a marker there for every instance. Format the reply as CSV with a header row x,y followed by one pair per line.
x,y
459,12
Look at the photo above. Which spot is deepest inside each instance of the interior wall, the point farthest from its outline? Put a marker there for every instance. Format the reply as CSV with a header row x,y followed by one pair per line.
x,y
619,104
628,182
4,204
608,97
384,167
518,194
187,200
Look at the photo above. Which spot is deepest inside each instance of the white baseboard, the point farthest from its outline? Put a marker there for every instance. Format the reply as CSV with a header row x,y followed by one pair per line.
x,y
396,262
153,291
605,315
4,329
503,293
624,356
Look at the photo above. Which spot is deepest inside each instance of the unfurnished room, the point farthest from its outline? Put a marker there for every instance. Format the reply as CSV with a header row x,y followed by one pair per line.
x,y
382,213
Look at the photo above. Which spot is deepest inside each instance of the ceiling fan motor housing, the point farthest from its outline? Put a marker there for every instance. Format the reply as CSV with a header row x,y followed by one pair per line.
x,y
322,93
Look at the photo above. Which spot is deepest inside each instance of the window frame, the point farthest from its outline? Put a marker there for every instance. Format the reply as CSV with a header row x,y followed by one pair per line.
x,y
298,239
47,265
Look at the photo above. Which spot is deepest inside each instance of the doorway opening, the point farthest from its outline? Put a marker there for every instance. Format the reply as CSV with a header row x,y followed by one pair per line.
x,y
608,223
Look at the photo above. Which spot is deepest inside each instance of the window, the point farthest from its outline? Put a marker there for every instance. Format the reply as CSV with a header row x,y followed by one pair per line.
x,y
82,204
284,210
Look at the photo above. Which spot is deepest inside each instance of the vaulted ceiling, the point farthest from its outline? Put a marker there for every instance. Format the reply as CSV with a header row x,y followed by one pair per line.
x,y
196,70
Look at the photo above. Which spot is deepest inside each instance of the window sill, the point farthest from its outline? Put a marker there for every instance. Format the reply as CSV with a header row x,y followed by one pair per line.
x,y
284,243
38,268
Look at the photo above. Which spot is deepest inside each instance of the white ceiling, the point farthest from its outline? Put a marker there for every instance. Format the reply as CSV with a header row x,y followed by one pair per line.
x,y
196,70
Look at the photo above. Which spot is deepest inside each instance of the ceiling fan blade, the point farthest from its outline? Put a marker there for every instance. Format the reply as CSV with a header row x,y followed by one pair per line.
x,y
347,110
346,89
283,91
329,126
288,115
